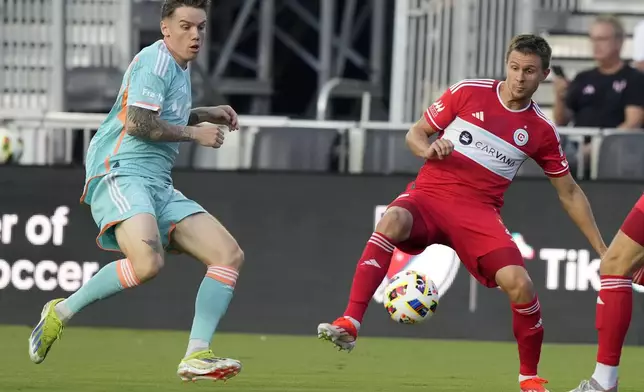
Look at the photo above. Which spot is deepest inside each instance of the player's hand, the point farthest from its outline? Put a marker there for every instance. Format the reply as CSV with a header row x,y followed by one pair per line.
x,y
223,115
209,135
440,149
561,87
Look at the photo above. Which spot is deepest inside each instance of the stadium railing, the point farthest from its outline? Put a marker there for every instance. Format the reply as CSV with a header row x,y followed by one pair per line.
x,y
41,148
437,42
43,43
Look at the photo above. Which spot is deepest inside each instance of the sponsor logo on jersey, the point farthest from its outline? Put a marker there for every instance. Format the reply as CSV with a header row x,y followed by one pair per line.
x,y
465,138
520,137
496,154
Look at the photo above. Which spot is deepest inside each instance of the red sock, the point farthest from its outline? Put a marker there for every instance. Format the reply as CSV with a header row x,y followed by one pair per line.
x,y
370,272
638,277
528,330
613,317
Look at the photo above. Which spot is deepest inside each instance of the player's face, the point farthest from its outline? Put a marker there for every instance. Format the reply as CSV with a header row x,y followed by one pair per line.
x,y
605,43
525,72
184,32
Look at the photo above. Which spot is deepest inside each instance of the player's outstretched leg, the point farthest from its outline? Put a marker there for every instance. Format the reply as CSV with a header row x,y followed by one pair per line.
x,y
394,227
138,238
615,302
527,325
204,238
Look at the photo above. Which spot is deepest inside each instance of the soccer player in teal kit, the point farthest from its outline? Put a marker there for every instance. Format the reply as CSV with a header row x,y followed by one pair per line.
x,y
130,191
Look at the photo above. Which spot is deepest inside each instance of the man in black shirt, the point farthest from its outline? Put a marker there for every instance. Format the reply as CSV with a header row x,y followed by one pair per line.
x,y
610,95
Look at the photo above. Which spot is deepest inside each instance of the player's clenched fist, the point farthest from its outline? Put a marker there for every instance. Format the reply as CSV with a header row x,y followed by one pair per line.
x,y
440,149
224,115
209,136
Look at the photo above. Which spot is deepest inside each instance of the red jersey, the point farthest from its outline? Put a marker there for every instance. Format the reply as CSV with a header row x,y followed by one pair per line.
x,y
490,141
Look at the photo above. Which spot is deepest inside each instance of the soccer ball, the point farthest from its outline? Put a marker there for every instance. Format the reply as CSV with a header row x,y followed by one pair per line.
x,y
411,297
11,146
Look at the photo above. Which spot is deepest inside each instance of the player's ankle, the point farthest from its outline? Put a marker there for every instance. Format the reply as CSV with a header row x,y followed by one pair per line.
x,y
63,312
355,322
606,375
523,378
196,345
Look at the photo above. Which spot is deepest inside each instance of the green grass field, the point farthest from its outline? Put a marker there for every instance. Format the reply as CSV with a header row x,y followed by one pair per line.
x,y
93,360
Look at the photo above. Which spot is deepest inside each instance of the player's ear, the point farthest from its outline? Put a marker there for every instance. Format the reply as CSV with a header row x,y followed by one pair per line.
x,y
164,29
545,74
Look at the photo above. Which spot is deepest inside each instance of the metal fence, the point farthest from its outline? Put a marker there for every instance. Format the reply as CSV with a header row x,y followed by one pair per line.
x,y
41,39
48,138
438,42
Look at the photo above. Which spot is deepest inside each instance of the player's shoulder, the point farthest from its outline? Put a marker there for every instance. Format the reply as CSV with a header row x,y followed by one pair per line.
x,y
156,57
473,86
546,126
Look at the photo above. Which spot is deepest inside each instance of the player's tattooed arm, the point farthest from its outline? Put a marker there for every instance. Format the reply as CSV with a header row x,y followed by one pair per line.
x,y
146,124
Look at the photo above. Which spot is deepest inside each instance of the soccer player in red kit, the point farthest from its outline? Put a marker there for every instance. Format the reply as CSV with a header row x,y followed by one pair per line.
x,y
619,268
487,129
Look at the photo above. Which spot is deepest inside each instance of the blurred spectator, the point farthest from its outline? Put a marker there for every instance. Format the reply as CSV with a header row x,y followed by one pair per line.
x,y
611,95
638,46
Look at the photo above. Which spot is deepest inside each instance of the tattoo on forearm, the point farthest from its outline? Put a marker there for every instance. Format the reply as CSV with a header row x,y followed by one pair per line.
x,y
155,244
146,124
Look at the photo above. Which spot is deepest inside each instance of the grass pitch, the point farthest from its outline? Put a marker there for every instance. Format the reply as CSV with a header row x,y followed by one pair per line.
x,y
108,360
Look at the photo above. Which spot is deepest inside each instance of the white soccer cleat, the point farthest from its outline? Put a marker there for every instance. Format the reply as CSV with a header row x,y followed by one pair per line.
x,y
592,386
342,333
204,365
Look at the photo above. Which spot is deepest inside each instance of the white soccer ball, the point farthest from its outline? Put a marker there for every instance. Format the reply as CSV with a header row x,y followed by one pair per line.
x,y
411,297
11,146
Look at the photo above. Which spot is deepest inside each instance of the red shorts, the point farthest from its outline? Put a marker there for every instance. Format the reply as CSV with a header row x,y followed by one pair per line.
x,y
633,225
472,230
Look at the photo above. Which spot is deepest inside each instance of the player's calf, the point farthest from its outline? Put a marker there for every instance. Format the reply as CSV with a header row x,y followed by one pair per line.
x,y
396,226
507,266
138,239
615,299
205,238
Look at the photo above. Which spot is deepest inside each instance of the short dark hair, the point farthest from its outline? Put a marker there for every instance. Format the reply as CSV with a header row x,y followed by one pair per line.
x,y
531,44
169,6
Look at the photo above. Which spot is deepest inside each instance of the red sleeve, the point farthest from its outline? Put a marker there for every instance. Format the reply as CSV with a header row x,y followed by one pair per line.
x,y
550,155
442,112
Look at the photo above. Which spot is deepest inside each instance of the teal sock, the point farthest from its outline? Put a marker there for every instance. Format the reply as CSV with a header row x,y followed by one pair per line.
x,y
111,279
212,301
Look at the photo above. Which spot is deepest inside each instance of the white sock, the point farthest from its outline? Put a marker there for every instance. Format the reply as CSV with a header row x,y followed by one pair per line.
x,y
195,345
605,375
63,312
523,378
355,322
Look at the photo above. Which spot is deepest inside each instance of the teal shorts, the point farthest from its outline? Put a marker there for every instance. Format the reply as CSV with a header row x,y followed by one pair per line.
x,y
116,197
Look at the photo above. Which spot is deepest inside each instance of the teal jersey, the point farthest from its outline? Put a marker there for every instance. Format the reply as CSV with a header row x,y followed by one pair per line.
x,y
153,81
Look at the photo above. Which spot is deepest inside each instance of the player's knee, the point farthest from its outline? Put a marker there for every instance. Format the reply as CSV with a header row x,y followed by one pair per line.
x,y
232,257
516,283
623,257
235,258
614,263
148,266
396,224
